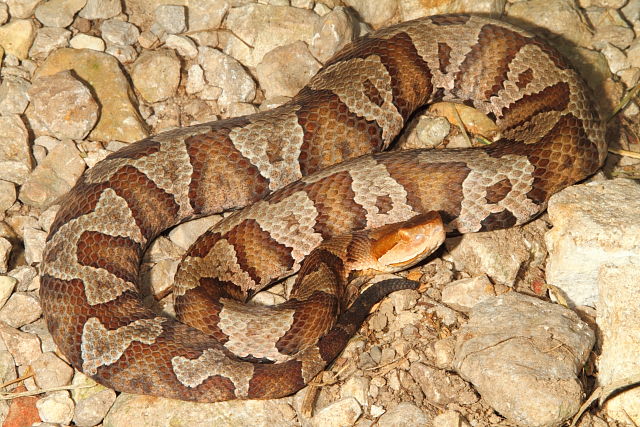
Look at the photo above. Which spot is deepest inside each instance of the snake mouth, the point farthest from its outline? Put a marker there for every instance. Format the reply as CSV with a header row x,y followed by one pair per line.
x,y
404,244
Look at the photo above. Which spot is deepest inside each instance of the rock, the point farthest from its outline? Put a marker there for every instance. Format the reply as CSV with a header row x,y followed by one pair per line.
x,y
499,254
7,196
206,14
24,347
156,74
412,9
356,387
136,410
64,105
332,33
377,13
286,69
56,407
265,27
238,109
559,17
522,355
172,19
17,36
119,32
148,40
183,45
616,58
618,35
428,132
184,235
464,294
450,419
15,155
159,279
119,119
406,414
50,371
47,40
124,54
58,13
344,412
22,8
83,41
633,54
13,95
444,351
438,386
101,9
594,228
4,13
223,71
617,318
195,79
34,240
53,177
92,404
21,308
5,252
7,285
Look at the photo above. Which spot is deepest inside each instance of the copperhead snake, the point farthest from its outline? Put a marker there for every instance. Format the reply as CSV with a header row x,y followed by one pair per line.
x,y
291,165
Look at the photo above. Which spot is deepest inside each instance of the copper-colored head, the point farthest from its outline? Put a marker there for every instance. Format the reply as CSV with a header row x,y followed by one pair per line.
x,y
403,244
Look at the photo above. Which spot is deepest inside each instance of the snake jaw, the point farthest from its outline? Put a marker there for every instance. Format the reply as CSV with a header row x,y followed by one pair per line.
x,y
401,245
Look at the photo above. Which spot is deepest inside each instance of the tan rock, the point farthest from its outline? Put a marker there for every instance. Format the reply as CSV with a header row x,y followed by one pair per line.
x,y
119,118
17,36
156,74
286,69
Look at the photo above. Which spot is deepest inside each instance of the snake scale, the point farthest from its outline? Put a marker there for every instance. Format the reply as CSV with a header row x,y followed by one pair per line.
x,y
309,170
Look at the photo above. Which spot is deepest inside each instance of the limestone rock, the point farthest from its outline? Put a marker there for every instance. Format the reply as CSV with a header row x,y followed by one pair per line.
x,y
156,74
17,36
15,155
119,119
58,13
332,33
286,69
223,71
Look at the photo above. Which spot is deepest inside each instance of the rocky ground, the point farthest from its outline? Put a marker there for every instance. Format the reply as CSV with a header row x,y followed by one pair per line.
x,y
516,327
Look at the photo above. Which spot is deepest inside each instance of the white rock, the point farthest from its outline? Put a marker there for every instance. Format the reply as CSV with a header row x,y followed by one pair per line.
x,y
238,109
464,294
34,240
124,54
54,176
594,228
195,79
83,41
119,32
58,13
615,57
47,40
17,36
22,308
223,71
404,414
156,74
450,419
5,253
13,95
303,4
185,234
101,9
15,156
286,69
428,132
92,403
522,355
321,9
7,196
377,13
412,9
618,35
172,19
64,105
21,8
4,13
344,412
7,285
356,387
333,32
23,346
50,371
56,407
183,45
206,14
633,54
265,27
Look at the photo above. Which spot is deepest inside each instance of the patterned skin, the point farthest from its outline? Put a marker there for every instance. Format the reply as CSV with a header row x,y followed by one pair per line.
x,y
281,161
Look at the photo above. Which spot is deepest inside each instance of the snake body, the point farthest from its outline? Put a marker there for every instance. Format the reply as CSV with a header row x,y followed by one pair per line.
x,y
291,165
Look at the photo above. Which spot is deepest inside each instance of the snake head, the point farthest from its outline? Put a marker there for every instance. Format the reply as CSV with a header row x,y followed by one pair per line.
x,y
403,244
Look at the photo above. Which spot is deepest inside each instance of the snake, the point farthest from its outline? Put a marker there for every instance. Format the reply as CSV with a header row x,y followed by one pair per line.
x,y
310,187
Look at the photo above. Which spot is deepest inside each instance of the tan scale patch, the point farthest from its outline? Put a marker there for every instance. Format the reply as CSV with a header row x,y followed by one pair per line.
x,y
254,330
371,181
362,75
169,168
102,347
272,144
112,217
213,362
